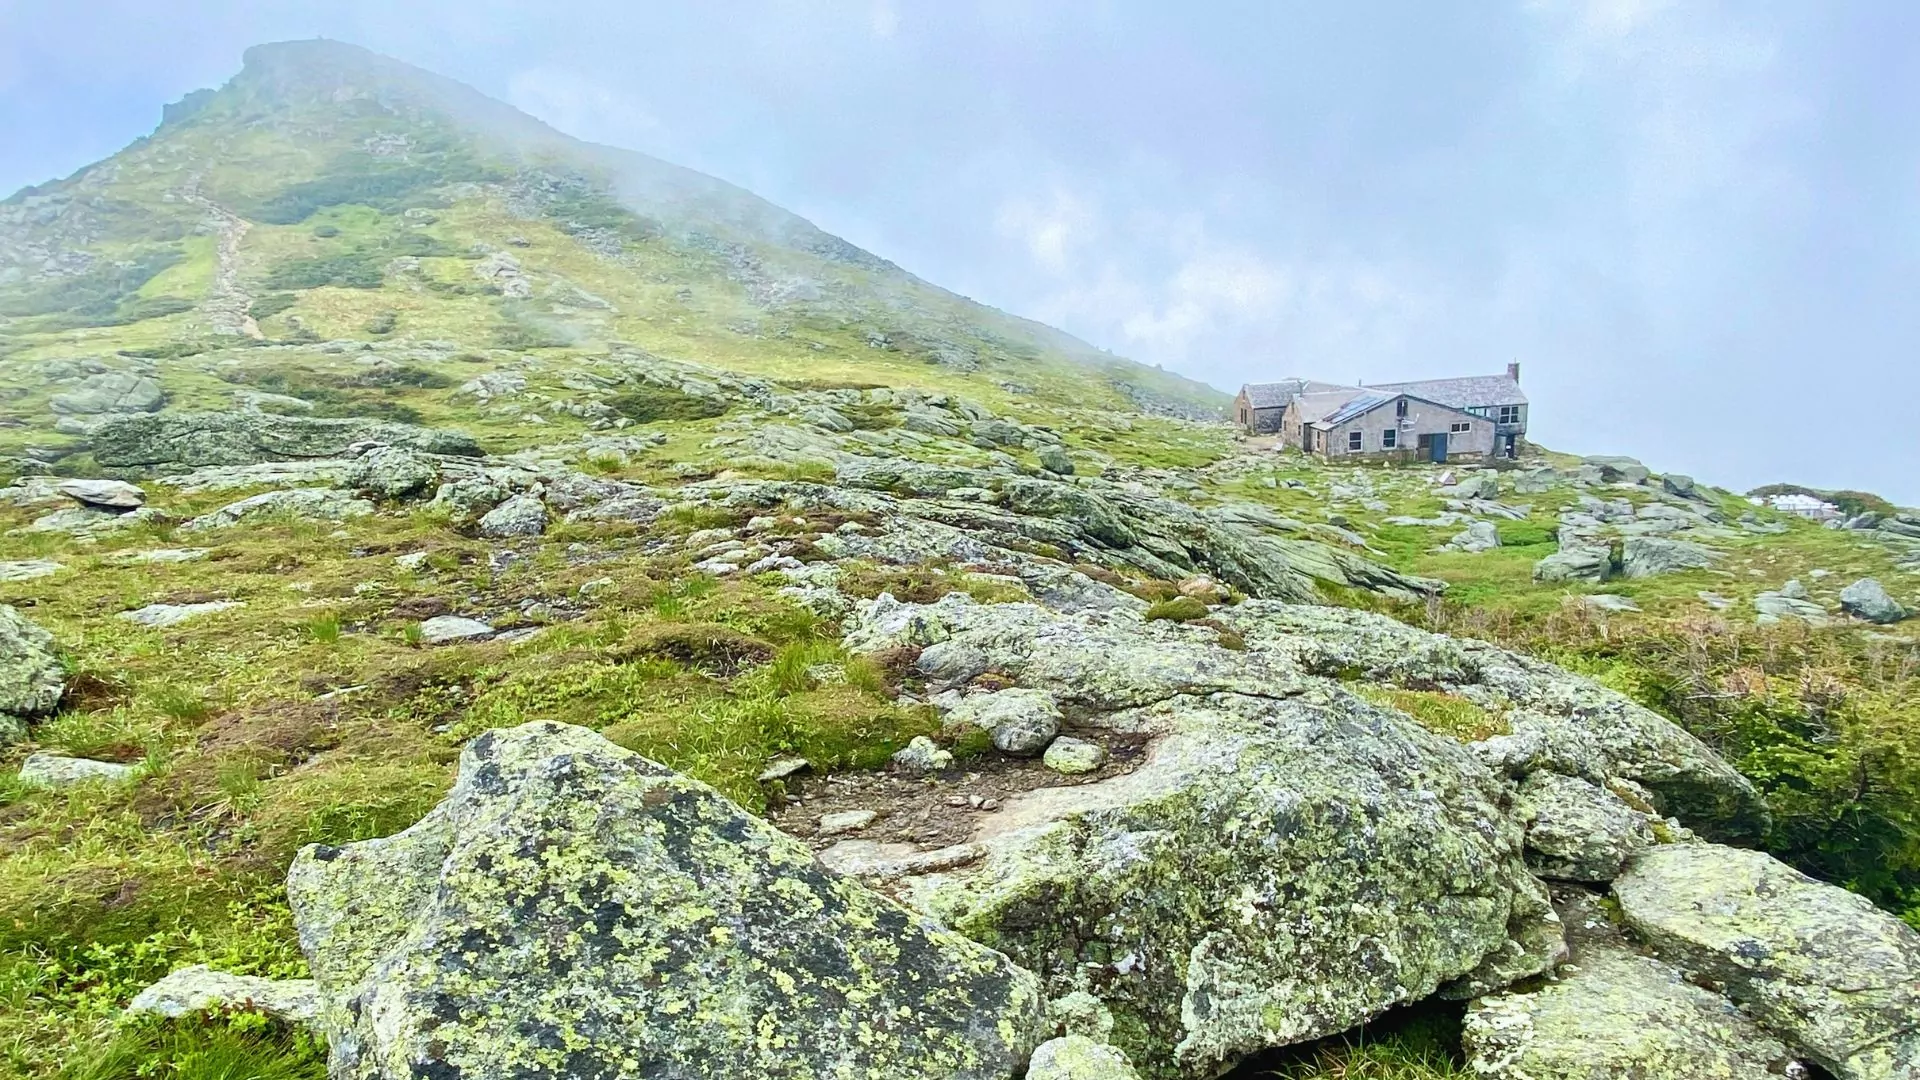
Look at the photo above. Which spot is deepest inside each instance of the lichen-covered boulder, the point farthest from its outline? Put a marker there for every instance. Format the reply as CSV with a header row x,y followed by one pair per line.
x,y
1615,1013
1575,563
1814,963
31,678
1578,831
1076,1057
311,504
522,515
573,909
1650,556
1020,721
110,392
246,438
393,472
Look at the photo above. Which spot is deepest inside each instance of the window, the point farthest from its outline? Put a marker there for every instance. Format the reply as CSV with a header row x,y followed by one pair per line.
x,y
1389,439
1400,408
1509,414
1354,439
1461,427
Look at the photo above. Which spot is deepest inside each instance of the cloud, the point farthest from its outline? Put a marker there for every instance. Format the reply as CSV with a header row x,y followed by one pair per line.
x,y
583,107
1052,227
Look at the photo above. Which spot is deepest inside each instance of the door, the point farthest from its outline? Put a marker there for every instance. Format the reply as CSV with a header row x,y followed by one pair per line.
x,y
1439,447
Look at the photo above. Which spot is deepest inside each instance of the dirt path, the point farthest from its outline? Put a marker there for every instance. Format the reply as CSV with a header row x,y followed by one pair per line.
x,y
227,306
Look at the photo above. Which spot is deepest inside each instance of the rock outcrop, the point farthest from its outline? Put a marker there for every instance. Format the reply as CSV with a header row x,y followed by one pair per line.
x,y
189,440
31,678
1815,964
573,909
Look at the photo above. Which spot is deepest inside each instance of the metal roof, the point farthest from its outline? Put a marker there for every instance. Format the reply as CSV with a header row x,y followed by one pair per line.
x,y
1473,391
1365,403
1313,408
1278,395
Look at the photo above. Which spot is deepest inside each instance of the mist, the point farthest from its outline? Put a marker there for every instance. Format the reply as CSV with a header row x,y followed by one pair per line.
x,y
1693,225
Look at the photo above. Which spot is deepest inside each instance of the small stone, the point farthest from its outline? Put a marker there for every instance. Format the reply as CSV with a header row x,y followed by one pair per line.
x,y
781,768
846,821
56,770
1609,602
922,756
1072,757
412,560
201,989
1076,1057
159,615
1055,460
1020,721
522,515
159,555
112,494
444,628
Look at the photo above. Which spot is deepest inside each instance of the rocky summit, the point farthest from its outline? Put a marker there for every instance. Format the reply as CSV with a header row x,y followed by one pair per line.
x,y
476,605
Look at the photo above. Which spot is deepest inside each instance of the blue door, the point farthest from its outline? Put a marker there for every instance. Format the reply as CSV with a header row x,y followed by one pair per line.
x,y
1439,447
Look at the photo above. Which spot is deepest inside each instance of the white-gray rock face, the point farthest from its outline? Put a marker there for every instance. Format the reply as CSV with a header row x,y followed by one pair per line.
x,y
1592,564
111,494
1647,556
110,392
444,628
313,504
575,910
162,615
56,770
1816,964
1868,599
1020,721
199,988
522,515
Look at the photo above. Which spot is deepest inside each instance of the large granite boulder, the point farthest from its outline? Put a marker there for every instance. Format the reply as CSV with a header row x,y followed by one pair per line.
x,y
31,678
1590,563
1868,599
1614,1013
110,392
1648,556
1816,964
1285,859
573,909
191,440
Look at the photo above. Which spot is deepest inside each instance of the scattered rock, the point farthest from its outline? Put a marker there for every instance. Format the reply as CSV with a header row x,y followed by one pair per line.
x,y
1073,757
159,555
313,504
781,768
1479,485
1535,480
55,770
29,569
444,628
1610,602
1868,599
1616,469
246,438
1055,460
846,821
1477,537
87,521
950,664
110,392
569,893
1591,564
162,615
1678,484
922,756
522,515
1647,556
31,678
199,988
1021,722
1789,603
109,494
1816,964
1076,1057
393,472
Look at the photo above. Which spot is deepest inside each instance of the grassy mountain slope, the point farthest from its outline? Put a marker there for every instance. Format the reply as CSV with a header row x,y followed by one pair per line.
x,y
327,193
337,234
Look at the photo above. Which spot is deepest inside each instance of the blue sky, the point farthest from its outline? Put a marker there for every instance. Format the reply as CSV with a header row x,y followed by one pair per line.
x,y
1697,225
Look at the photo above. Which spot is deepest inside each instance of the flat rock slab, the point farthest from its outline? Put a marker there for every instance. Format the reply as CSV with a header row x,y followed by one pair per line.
x,y
445,628
159,555
1816,964
573,909
199,988
29,569
113,494
56,770
160,615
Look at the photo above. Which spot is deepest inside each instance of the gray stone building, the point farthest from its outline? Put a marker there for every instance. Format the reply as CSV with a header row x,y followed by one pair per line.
x,y
1259,406
1496,399
1380,425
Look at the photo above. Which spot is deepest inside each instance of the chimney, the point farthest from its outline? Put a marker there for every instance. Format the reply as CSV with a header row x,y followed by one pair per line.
x,y
1513,371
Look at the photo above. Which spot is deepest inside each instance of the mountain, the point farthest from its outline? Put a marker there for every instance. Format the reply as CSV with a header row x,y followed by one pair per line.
x,y
328,193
